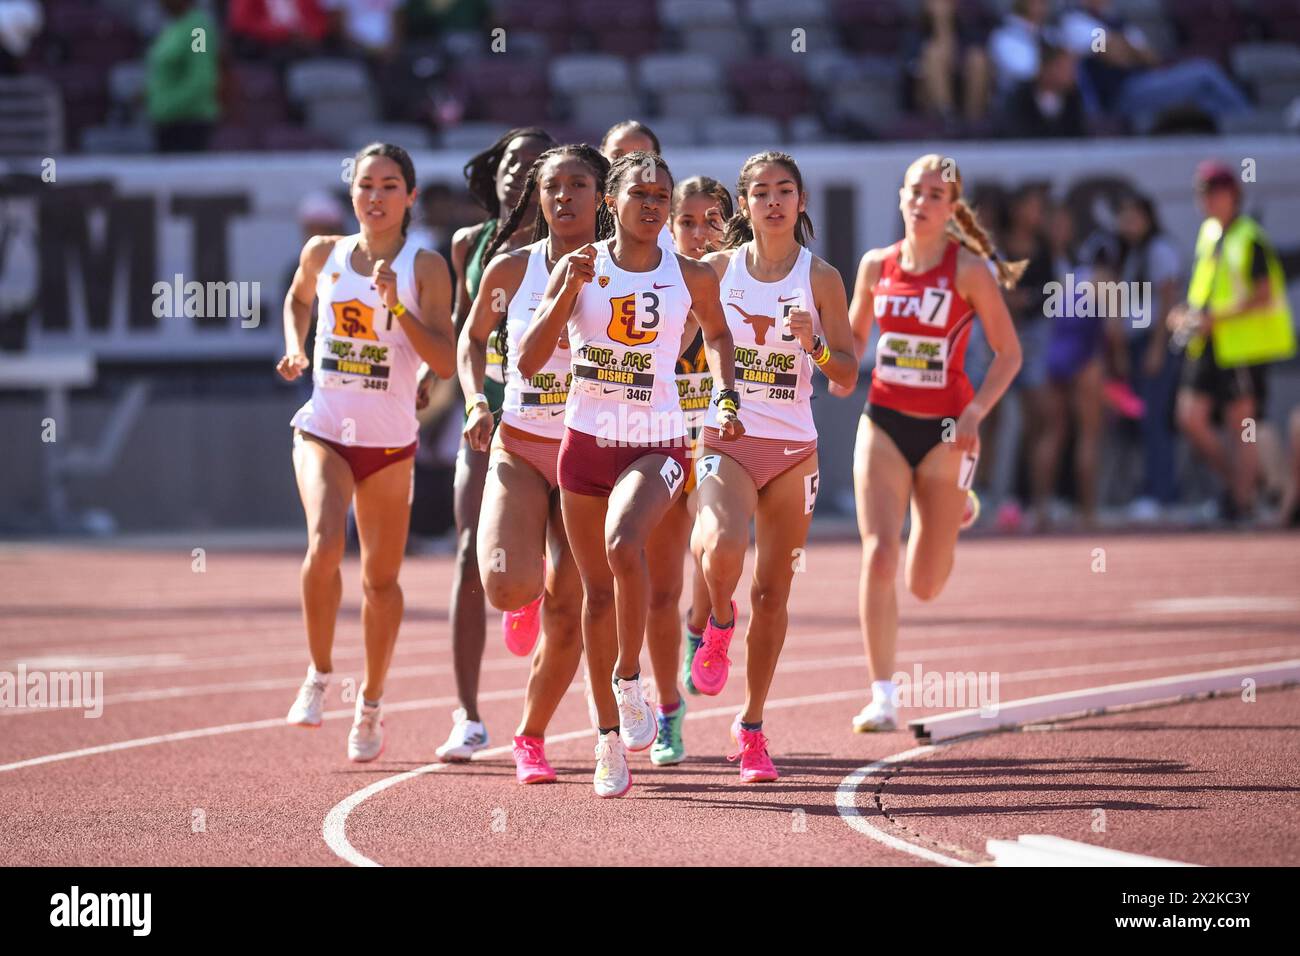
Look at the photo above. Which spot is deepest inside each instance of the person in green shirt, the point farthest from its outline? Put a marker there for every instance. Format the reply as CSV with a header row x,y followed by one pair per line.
x,y
182,79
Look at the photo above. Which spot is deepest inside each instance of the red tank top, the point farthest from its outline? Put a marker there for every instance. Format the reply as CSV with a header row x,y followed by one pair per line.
x,y
924,329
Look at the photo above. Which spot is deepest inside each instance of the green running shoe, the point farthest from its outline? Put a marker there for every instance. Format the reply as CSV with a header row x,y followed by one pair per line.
x,y
692,645
668,746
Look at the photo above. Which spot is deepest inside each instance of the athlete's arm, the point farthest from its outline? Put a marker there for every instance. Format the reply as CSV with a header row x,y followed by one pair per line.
x,y
431,335
833,307
570,274
719,347
461,244
861,309
500,281
297,305
975,284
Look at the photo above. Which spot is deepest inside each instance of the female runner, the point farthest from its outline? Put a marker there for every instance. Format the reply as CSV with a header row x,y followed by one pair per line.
x,y
626,304
495,178
918,437
521,501
700,210
788,313
384,306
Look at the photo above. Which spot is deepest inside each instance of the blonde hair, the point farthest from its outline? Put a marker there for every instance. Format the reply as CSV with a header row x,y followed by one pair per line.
x,y
964,226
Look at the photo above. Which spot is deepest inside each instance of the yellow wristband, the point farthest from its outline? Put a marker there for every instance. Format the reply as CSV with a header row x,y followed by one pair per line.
x,y
823,356
398,310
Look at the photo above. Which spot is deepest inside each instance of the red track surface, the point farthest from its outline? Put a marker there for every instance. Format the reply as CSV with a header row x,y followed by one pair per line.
x,y
1209,782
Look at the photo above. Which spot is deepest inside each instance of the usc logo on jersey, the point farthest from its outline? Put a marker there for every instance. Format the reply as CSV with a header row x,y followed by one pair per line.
x,y
354,319
630,325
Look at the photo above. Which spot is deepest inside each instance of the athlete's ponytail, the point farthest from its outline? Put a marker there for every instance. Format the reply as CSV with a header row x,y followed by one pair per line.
x,y
403,160
740,229
964,226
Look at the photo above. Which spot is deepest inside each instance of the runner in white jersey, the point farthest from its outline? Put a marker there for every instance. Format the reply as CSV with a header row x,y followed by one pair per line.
x,y
788,313
700,210
384,306
627,306
521,501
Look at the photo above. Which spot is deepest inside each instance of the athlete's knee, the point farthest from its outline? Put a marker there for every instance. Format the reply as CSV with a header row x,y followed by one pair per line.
x,y
719,542
509,592
625,550
324,549
562,622
598,599
881,553
768,599
926,585
380,586
665,596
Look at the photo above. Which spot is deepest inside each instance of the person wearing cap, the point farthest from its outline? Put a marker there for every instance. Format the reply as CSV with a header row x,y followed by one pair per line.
x,y
1235,322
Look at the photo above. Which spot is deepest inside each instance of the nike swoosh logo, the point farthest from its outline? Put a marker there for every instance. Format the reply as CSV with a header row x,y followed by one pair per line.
x,y
796,451
556,411
391,451
658,286
608,390
346,381
787,299
753,390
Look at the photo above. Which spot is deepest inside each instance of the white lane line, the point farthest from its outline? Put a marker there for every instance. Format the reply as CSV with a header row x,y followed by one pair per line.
x,y
334,827
1034,849
1218,603
833,663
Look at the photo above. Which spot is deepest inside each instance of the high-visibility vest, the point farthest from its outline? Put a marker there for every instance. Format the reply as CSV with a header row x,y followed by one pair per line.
x,y
1221,281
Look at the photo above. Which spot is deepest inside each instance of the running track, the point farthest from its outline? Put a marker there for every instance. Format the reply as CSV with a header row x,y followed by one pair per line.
x,y
200,668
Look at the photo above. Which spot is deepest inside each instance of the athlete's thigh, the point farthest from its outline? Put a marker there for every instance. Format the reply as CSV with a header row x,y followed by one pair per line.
x,y
643,493
937,502
667,545
325,486
562,577
383,507
467,488
512,518
725,494
584,528
785,510
882,483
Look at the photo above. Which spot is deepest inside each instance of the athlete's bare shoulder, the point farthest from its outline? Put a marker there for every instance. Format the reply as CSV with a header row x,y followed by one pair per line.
x,y
869,266
429,262
462,241
316,252
695,271
718,261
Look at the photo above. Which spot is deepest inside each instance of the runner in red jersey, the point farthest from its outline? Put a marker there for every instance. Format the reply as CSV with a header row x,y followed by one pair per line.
x,y
919,434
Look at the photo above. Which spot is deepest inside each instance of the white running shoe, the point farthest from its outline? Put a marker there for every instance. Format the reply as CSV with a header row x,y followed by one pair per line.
x,y
878,716
636,717
612,778
366,742
467,738
307,710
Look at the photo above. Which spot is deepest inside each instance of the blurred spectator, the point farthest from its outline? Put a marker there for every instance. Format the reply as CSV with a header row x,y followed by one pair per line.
x,y
1150,263
1074,370
1014,46
369,27
182,79
20,22
949,62
424,18
436,219
1124,76
1240,322
276,29
1049,105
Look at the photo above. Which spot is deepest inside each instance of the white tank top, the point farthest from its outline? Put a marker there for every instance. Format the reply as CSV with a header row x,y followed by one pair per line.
x,y
537,405
773,372
624,333
364,379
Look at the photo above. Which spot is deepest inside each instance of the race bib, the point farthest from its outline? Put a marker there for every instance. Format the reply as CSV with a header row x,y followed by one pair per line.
x,y
353,365
920,361
615,374
694,392
543,396
494,370
769,375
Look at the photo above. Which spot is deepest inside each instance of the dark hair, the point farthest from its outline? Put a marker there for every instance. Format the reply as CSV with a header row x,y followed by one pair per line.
x,y
481,170
630,162
630,126
398,155
739,229
703,186
599,167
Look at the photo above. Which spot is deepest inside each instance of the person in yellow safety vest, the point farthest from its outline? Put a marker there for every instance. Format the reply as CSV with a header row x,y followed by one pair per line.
x,y
1238,322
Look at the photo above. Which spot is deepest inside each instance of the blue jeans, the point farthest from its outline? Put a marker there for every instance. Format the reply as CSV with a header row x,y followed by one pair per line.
x,y
1158,436
1198,82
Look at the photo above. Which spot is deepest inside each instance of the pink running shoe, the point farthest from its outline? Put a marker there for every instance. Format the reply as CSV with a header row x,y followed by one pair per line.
x,y
520,627
755,764
711,665
530,761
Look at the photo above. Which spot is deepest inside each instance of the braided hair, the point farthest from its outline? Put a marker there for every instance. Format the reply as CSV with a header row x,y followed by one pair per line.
x,y
404,164
964,226
740,229
599,167
481,170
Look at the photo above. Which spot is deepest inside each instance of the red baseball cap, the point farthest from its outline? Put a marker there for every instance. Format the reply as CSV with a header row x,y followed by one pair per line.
x,y
1211,174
